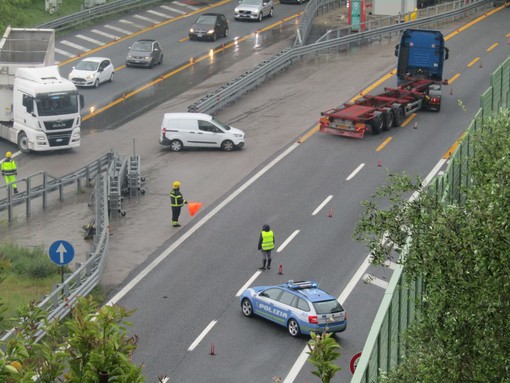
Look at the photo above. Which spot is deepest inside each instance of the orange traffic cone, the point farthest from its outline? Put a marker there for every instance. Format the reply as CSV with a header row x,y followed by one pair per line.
x,y
193,207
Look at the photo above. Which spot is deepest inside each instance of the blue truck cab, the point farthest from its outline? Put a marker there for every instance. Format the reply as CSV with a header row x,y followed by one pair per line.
x,y
421,55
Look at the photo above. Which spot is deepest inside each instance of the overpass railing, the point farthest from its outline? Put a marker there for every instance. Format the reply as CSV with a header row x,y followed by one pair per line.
x,y
383,348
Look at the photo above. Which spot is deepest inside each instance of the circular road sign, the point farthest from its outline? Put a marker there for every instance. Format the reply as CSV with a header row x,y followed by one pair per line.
x,y
61,252
354,362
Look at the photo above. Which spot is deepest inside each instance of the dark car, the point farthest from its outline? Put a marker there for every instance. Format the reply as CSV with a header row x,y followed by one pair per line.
x,y
209,26
144,53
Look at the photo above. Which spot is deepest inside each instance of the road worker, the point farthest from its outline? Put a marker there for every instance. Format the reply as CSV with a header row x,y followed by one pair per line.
x,y
176,201
9,171
266,244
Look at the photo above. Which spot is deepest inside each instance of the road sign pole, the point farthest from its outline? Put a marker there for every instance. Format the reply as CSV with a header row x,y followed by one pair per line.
x,y
62,273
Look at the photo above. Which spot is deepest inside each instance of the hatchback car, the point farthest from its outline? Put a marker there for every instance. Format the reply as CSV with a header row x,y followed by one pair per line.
x,y
209,26
254,9
92,71
144,53
300,306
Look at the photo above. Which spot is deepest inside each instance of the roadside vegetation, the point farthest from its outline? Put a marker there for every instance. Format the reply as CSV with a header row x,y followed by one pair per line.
x,y
462,252
30,13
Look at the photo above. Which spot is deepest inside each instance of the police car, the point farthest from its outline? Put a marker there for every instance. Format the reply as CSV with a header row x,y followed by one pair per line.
x,y
300,306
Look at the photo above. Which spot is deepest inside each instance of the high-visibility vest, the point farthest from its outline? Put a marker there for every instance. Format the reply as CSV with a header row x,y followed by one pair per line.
x,y
176,199
267,240
9,167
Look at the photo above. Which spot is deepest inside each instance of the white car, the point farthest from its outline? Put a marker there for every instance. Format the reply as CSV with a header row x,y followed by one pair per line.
x,y
254,9
92,71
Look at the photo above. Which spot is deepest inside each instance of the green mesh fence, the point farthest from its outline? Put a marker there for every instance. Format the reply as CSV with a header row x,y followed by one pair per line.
x,y
400,305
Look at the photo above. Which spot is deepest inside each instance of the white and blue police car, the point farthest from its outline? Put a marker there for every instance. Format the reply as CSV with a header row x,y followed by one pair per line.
x,y
300,306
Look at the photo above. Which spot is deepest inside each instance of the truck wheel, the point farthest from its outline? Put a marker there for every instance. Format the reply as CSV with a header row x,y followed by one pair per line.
x,y
23,143
388,119
377,123
399,117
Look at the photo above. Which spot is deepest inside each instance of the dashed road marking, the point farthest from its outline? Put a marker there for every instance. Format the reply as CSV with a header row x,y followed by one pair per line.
x,y
371,280
202,335
64,53
117,29
132,24
328,198
186,6
181,12
144,18
166,16
351,176
90,40
113,37
287,241
75,46
247,284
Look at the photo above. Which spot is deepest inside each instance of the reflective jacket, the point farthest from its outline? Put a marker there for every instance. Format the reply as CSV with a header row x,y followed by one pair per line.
x,y
176,198
9,167
267,240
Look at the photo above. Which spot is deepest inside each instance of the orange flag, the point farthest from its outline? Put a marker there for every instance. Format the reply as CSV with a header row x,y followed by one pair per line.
x,y
193,207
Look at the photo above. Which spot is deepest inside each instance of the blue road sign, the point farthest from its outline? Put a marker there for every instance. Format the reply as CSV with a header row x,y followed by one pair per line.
x,y
61,252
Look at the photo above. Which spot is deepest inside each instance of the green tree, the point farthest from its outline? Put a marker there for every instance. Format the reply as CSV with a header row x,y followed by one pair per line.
x,y
462,251
323,352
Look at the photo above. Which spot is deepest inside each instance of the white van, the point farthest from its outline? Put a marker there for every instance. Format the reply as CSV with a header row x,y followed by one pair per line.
x,y
179,130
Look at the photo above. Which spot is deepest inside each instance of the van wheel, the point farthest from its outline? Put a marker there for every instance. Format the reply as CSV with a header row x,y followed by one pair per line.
x,y
23,142
227,146
176,145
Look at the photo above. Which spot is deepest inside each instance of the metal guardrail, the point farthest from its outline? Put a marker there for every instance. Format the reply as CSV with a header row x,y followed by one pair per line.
x,y
109,170
229,93
96,12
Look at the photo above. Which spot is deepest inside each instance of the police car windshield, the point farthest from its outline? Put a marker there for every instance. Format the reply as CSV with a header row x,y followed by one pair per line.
x,y
221,124
328,307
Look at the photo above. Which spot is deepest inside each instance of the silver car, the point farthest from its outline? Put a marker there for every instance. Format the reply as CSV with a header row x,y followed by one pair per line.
x,y
254,9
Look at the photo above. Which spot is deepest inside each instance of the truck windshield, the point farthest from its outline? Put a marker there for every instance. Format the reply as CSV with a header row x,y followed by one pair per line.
x,y
57,104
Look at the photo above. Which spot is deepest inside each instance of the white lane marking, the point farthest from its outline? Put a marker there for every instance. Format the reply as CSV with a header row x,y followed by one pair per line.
x,y
160,14
64,53
131,24
247,284
113,37
75,46
117,29
303,357
186,5
173,9
197,226
90,40
202,335
351,176
165,379
371,280
328,198
144,18
287,241
390,265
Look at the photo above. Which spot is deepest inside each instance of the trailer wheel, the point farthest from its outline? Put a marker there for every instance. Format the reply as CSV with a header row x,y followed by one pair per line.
x,y
399,116
388,119
377,123
23,142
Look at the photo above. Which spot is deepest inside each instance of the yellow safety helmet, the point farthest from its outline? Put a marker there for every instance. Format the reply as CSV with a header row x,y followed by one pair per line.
x,y
176,184
8,154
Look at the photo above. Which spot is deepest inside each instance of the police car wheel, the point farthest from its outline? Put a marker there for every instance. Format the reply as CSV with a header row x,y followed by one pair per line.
x,y
293,328
247,307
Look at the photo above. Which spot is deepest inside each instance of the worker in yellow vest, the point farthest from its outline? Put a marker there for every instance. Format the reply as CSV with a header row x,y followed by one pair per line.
x,y
266,244
176,201
9,171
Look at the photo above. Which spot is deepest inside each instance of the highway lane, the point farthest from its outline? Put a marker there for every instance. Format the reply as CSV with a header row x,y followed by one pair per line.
x,y
194,287
269,121
146,88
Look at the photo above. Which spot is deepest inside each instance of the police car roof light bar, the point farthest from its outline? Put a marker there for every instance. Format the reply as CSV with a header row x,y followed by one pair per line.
x,y
301,284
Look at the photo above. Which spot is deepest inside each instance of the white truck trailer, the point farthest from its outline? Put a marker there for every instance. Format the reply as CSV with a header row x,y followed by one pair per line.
x,y
39,109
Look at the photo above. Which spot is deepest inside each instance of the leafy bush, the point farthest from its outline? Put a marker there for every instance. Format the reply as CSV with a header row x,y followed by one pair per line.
x,y
29,262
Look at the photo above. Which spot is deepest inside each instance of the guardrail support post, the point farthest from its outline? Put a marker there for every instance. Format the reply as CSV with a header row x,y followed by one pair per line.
x,y
61,190
45,193
29,200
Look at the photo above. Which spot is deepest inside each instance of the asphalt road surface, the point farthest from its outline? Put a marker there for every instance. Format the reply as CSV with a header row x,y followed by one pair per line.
x,y
203,265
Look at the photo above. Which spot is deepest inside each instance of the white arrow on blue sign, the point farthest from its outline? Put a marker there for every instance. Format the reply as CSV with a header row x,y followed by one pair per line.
x,y
61,252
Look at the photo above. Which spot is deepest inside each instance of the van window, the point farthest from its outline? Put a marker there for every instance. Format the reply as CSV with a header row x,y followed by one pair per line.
x,y
220,124
206,126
